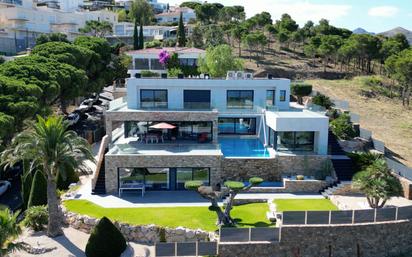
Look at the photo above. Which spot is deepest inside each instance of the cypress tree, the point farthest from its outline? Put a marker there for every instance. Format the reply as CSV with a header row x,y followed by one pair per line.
x,y
26,182
181,35
141,37
38,192
135,37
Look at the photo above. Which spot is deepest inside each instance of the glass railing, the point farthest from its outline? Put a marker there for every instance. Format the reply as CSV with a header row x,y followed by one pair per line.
x,y
117,104
176,148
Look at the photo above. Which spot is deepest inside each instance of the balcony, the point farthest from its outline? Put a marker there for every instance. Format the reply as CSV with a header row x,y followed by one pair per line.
x,y
165,149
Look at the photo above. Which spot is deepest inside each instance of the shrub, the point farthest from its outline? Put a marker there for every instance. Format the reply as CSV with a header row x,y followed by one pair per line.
x,y
152,44
300,177
38,192
105,240
362,160
36,217
322,100
301,90
174,72
189,70
342,127
149,74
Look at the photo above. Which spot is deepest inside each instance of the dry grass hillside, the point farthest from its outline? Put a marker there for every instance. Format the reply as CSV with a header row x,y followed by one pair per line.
x,y
384,116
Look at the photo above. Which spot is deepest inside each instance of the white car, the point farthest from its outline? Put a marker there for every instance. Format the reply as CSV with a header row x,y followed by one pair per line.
x,y
4,186
72,118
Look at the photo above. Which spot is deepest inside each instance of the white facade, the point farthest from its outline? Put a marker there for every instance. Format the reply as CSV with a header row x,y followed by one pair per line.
x,y
21,24
122,29
174,15
148,59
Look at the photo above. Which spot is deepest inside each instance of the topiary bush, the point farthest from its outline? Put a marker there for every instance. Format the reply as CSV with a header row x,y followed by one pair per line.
x,y
322,100
36,217
38,192
342,127
105,240
149,74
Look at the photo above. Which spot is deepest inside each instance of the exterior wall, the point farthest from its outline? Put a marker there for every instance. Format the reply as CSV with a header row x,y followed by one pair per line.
x,y
366,240
293,186
406,186
218,89
113,162
271,169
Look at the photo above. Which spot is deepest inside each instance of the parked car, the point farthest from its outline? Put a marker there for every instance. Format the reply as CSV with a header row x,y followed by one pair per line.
x,y
72,118
4,186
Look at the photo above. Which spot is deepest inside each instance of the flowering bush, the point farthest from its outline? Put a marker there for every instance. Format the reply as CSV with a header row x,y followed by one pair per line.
x,y
164,57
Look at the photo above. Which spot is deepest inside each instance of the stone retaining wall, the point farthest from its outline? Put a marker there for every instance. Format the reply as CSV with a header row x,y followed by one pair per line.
x,y
366,240
272,169
293,186
406,186
148,234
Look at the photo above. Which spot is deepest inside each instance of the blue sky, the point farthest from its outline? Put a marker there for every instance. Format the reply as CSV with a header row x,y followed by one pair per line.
x,y
372,15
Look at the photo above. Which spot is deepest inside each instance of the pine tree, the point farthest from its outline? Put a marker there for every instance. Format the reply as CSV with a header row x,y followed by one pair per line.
x,y
135,37
181,35
141,37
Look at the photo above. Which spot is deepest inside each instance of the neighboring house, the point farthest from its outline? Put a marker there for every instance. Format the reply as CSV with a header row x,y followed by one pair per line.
x,y
173,15
148,59
168,131
127,4
123,31
21,22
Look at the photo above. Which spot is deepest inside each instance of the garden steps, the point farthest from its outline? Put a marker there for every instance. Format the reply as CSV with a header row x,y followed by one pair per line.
x,y
334,146
335,188
100,188
343,168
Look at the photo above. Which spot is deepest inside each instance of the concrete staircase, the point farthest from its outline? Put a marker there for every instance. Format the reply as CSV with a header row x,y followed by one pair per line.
x,y
343,168
100,187
334,147
333,189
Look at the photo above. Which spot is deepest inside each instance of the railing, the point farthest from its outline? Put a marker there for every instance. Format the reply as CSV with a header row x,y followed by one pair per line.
x,y
117,104
186,249
260,234
100,159
399,168
172,147
346,216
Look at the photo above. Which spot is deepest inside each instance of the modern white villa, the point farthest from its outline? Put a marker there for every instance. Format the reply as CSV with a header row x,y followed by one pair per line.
x,y
167,131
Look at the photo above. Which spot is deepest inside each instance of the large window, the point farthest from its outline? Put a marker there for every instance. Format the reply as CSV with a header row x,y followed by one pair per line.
x,y
270,98
282,96
295,141
240,99
153,98
141,64
244,126
152,178
200,131
196,99
156,65
188,174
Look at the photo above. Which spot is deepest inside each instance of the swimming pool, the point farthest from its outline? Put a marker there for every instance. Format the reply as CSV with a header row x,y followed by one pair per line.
x,y
237,147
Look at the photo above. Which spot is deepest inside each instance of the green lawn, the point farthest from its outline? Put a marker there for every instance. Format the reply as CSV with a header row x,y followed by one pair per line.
x,y
249,215
304,205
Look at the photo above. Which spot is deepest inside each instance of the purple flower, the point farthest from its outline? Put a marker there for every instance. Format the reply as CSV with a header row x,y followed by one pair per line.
x,y
164,57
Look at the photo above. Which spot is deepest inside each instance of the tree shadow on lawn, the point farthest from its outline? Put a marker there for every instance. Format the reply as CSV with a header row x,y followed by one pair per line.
x,y
259,224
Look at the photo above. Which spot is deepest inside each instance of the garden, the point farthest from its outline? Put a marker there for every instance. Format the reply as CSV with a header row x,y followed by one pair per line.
x,y
248,215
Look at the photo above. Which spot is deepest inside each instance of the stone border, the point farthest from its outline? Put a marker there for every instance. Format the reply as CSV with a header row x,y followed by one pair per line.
x,y
148,234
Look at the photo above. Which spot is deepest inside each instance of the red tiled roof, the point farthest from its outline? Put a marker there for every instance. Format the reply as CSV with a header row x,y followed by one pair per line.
x,y
179,50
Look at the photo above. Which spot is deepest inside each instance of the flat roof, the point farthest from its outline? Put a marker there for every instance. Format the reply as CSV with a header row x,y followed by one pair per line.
x,y
179,50
298,114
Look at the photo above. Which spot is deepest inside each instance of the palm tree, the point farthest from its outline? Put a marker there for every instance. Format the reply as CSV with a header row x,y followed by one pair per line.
x,y
377,183
52,149
9,230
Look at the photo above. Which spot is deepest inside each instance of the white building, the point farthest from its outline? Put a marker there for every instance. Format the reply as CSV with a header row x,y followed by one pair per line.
x,y
22,22
173,15
211,129
157,7
122,29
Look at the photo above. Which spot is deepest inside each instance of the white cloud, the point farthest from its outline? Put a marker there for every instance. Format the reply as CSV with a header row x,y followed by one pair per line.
x,y
383,11
300,10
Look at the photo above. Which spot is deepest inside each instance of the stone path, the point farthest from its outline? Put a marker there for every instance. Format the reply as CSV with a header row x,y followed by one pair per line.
x,y
345,202
72,244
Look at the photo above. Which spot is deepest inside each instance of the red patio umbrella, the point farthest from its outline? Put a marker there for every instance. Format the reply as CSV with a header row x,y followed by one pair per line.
x,y
163,125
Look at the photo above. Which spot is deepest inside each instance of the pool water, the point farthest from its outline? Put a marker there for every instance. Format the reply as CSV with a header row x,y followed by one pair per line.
x,y
236,147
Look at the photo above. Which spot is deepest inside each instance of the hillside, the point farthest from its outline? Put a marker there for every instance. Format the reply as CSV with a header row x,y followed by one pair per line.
x,y
362,31
393,32
386,117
